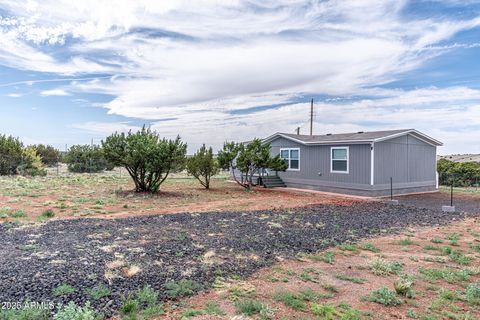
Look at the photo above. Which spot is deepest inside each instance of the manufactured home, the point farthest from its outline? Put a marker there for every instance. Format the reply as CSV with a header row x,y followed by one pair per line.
x,y
360,163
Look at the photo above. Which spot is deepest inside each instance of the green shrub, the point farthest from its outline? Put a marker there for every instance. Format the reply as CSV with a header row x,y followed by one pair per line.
x,y
203,166
73,312
63,290
148,159
98,292
24,314
462,174
18,214
129,306
473,294
183,288
325,311
85,158
147,296
290,299
10,154
49,155
31,164
370,247
384,296
252,307
47,214
381,267
449,275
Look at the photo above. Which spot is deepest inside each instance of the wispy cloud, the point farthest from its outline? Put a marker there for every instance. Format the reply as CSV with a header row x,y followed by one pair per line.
x,y
54,92
14,95
208,65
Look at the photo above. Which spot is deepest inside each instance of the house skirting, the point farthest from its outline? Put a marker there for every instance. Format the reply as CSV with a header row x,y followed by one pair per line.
x,y
378,190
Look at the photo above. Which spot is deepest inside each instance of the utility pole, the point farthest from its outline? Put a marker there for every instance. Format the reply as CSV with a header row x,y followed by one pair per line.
x,y
311,118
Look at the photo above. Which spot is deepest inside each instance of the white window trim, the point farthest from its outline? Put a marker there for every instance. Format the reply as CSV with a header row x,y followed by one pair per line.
x,y
348,160
289,149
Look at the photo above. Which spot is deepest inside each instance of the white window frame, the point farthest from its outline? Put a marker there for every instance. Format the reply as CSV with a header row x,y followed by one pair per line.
x,y
348,159
289,158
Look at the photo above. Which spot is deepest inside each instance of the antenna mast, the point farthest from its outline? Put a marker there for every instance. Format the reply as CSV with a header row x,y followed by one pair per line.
x,y
311,118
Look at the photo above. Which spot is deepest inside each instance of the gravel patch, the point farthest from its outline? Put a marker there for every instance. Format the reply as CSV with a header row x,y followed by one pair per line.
x,y
126,254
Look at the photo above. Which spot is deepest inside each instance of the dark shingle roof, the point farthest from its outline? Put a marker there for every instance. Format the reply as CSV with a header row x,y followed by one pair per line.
x,y
361,136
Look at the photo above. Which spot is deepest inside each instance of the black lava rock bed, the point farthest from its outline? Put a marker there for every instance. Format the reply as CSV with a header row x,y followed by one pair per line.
x,y
83,253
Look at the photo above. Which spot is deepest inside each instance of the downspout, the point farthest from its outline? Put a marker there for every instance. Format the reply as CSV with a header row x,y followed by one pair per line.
x,y
372,164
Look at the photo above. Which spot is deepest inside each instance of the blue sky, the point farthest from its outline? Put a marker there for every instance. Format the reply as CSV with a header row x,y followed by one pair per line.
x,y
217,70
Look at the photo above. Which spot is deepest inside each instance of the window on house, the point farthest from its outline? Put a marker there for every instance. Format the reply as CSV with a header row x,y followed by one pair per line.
x,y
292,157
339,156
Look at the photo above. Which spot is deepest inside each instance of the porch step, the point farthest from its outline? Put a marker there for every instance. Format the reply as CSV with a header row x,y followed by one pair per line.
x,y
273,182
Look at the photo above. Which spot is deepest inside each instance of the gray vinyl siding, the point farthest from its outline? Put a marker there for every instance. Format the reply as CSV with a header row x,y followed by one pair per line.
x,y
315,165
408,160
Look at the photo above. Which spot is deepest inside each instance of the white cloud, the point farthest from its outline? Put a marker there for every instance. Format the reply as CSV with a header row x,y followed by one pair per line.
x,y
54,92
197,65
14,95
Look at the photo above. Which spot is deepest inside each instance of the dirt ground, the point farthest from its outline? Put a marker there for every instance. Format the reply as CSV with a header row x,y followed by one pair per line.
x,y
108,195
339,284
467,200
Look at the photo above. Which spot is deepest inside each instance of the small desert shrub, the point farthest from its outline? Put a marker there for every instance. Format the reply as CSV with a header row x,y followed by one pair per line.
x,y
47,214
381,267
328,257
183,288
18,214
147,296
63,290
129,306
251,307
24,314
449,275
349,247
98,292
73,312
370,247
290,299
473,294
456,256
345,277
404,286
384,296
325,311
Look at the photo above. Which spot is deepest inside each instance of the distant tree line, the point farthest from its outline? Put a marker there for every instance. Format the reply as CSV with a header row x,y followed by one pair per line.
x,y
15,158
462,174
148,158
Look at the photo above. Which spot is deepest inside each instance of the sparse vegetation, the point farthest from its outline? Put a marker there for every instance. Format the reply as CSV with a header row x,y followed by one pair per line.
x,y
384,296
381,267
63,290
182,288
73,312
98,292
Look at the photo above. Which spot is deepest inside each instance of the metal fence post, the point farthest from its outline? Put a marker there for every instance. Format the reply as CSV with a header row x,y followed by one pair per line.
x,y
451,191
391,188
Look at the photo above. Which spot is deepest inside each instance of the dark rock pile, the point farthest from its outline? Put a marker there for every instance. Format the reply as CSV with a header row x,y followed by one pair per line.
x,y
82,253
